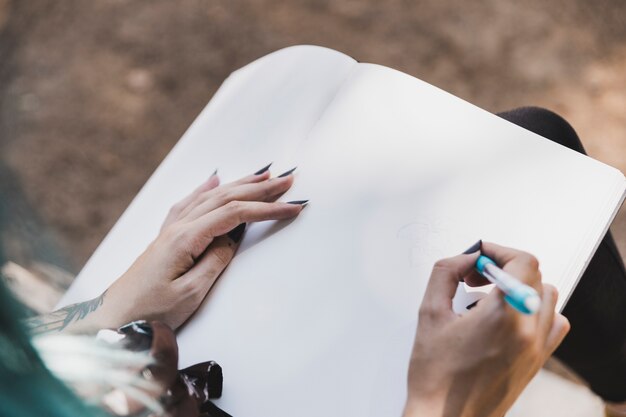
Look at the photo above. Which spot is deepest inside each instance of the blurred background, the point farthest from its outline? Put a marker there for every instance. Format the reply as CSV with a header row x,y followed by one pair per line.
x,y
94,94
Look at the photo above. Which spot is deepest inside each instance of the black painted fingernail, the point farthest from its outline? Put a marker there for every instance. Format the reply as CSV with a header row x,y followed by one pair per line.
x,y
214,173
237,233
474,248
284,174
471,306
300,202
264,169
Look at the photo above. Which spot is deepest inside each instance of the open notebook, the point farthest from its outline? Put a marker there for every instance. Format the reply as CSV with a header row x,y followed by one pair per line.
x,y
317,317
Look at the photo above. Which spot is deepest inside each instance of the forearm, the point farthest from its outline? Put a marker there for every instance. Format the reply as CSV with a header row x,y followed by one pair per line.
x,y
81,317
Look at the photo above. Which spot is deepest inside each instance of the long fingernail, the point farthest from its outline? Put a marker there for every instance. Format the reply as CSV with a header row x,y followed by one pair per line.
x,y
264,169
300,202
237,233
474,248
284,174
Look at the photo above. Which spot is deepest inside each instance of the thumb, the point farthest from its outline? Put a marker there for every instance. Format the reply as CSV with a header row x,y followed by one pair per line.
x,y
444,280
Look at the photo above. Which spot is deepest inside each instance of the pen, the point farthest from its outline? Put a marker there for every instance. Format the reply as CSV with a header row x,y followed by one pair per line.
x,y
519,295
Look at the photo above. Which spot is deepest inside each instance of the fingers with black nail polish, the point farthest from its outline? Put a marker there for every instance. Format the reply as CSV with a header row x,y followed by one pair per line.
x,y
474,248
300,202
264,169
284,174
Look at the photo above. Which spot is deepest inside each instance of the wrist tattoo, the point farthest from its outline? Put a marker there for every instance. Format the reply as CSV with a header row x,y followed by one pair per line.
x,y
60,319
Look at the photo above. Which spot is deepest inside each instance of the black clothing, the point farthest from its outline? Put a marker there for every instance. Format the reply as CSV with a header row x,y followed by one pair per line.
x,y
596,344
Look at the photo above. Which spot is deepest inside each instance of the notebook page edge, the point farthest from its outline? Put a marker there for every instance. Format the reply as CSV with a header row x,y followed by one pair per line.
x,y
616,200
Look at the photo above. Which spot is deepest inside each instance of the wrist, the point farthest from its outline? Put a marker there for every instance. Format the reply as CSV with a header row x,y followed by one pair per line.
x,y
115,311
110,310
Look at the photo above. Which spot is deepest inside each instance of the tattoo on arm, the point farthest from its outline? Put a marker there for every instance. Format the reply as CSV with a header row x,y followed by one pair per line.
x,y
60,319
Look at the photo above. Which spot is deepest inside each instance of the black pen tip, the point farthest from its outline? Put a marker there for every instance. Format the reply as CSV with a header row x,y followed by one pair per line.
x,y
214,173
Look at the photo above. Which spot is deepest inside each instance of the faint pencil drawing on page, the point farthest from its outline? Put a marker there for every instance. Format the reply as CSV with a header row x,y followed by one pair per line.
x,y
426,241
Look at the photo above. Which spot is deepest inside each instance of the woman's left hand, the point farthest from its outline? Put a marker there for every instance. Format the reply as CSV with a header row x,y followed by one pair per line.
x,y
197,241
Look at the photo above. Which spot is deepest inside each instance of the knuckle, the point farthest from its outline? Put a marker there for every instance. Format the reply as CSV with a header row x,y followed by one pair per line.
x,y
233,206
442,265
220,194
212,272
198,297
183,241
174,233
223,255
531,261
269,192
188,287
181,235
197,293
235,209
428,311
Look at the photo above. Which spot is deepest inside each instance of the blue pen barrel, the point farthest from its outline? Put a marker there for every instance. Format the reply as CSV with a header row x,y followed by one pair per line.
x,y
520,296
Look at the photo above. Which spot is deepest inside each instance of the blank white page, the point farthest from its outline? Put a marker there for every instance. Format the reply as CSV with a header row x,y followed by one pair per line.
x,y
459,173
317,316
259,115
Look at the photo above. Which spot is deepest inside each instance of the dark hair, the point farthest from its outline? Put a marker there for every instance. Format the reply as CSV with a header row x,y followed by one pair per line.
x,y
27,389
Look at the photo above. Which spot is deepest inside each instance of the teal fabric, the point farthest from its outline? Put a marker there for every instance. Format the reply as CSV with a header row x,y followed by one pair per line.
x,y
27,389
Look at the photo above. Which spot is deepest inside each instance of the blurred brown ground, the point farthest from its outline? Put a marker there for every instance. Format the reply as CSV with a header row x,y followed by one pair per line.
x,y
93,94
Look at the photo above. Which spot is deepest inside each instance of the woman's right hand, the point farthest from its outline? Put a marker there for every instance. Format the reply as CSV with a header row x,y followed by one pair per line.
x,y
477,364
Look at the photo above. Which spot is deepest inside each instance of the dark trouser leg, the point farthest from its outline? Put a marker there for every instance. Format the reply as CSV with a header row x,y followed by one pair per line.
x,y
596,345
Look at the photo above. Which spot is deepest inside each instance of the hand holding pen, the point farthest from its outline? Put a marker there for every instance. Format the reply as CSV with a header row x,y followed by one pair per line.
x,y
476,364
520,296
